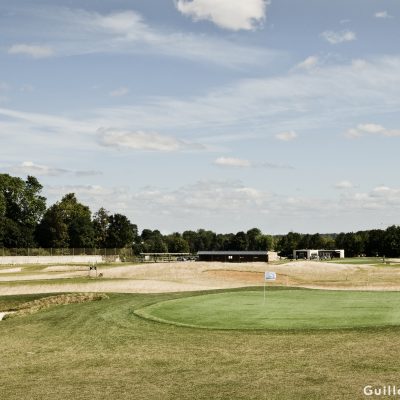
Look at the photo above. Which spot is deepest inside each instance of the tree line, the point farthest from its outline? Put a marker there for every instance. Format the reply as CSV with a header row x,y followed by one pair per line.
x,y
26,221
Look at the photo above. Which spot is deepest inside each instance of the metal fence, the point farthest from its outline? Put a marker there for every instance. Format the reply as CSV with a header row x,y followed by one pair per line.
x,y
123,252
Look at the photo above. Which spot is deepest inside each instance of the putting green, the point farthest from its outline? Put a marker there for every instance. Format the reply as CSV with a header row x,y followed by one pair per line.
x,y
283,309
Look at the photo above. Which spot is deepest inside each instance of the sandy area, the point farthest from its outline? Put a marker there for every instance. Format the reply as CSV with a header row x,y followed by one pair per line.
x,y
66,268
192,276
10,270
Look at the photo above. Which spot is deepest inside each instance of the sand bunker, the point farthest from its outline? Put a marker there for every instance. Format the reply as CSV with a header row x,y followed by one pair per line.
x,y
193,276
66,268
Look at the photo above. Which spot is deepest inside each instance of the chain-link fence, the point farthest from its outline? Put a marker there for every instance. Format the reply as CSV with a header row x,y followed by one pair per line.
x,y
122,252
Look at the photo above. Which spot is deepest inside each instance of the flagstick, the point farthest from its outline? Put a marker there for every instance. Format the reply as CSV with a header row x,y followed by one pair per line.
x,y
264,292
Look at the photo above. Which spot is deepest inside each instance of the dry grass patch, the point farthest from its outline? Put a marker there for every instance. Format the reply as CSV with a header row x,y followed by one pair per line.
x,y
34,306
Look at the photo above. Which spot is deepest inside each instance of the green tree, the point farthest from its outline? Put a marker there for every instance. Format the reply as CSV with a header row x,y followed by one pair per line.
x,y
287,243
121,232
375,243
21,208
253,238
177,244
52,231
352,243
191,238
239,242
155,245
71,214
265,242
391,246
316,241
101,222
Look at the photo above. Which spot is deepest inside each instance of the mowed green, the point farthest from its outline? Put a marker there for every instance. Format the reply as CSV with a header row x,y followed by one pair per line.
x,y
103,350
281,309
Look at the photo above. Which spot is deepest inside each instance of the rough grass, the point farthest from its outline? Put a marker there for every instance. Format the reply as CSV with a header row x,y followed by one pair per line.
x,y
101,350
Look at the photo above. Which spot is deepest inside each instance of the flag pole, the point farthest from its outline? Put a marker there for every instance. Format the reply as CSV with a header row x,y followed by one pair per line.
x,y
264,291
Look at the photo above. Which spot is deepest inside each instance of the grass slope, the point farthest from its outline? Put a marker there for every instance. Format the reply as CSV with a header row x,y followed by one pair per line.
x,y
101,350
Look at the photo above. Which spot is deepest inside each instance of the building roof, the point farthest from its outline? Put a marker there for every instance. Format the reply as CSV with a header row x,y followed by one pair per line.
x,y
233,253
319,250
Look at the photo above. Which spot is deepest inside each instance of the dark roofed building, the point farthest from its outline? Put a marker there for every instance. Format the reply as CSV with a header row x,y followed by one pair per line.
x,y
233,256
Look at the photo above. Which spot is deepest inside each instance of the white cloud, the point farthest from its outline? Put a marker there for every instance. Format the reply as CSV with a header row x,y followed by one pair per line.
x,y
228,14
286,136
243,163
382,14
139,140
30,168
232,162
34,51
289,102
122,91
344,185
372,129
309,63
78,32
338,37
234,205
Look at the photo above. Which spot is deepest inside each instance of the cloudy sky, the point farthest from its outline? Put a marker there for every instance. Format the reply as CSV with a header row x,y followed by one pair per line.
x,y
219,114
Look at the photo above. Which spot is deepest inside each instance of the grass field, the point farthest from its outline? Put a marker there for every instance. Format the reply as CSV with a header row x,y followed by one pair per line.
x,y
102,350
359,261
283,309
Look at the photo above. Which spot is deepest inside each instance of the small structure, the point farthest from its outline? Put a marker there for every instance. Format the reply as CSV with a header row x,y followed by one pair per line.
x,y
309,254
233,256
165,257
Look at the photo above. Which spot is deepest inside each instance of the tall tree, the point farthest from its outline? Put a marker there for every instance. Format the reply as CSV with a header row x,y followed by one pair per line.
x,y
177,244
239,242
67,223
21,207
52,231
121,232
101,223
253,236
287,243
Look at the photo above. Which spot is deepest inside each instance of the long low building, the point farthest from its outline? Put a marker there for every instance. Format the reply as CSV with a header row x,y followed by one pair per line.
x,y
233,256
310,254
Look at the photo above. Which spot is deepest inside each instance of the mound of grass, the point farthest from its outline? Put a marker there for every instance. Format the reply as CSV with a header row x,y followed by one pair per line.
x,y
283,309
43,303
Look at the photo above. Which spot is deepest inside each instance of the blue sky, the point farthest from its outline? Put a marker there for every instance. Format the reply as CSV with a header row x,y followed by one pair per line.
x,y
219,114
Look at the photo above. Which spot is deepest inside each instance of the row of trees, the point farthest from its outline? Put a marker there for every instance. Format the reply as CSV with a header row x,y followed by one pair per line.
x,y
371,243
25,221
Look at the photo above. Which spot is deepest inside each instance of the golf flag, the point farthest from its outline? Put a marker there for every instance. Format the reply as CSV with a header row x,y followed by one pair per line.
x,y
270,276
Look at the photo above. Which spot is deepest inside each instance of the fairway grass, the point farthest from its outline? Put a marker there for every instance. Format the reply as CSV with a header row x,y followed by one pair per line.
x,y
282,309
102,350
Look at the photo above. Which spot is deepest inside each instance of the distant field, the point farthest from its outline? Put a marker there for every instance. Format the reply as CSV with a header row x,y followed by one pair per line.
x,y
102,350
359,260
